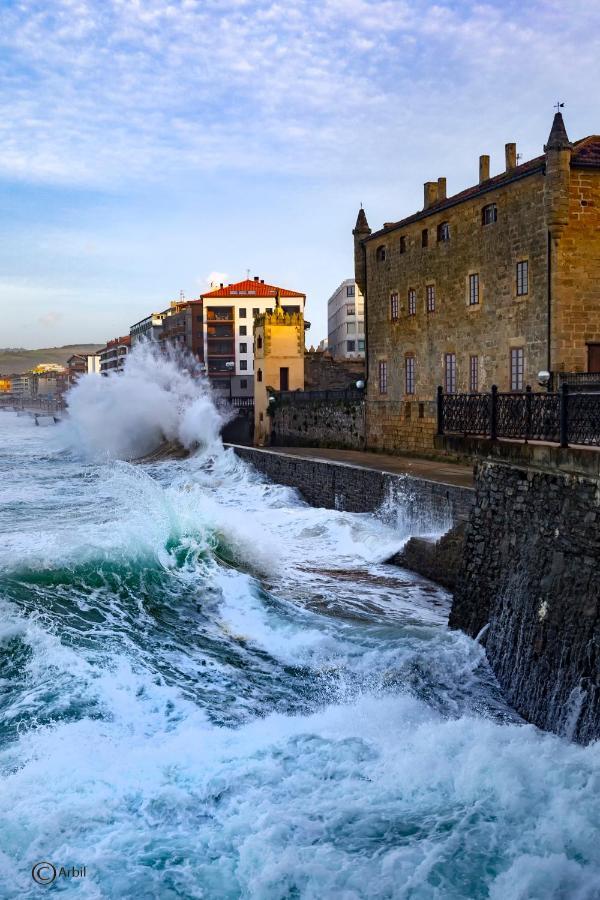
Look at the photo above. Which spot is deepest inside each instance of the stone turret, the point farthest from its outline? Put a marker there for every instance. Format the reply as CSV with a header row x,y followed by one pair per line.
x,y
360,232
558,173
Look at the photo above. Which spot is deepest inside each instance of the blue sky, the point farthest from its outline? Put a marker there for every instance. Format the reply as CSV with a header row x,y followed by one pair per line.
x,y
145,144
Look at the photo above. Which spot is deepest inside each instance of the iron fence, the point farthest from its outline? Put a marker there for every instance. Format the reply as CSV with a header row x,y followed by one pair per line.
x,y
577,381
302,397
561,417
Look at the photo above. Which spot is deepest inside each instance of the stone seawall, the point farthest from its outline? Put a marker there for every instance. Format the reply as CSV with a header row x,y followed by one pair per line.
x,y
319,423
531,572
336,485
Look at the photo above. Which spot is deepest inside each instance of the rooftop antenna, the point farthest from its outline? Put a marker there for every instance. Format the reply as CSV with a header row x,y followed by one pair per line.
x,y
181,296
248,274
519,156
558,106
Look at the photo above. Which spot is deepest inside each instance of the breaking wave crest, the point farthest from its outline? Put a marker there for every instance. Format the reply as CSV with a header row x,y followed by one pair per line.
x,y
157,397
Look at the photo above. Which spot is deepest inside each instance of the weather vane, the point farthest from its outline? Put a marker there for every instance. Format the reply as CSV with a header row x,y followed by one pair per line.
x,y
558,106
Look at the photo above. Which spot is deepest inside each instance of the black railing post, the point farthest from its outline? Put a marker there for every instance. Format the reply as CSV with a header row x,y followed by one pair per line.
x,y
528,400
440,410
564,414
494,413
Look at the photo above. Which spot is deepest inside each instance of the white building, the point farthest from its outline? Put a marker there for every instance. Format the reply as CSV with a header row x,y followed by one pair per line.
x,y
229,313
148,329
346,322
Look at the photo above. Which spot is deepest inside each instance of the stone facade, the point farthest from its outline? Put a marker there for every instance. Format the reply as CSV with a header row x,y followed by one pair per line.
x,y
279,363
531,571
453,290
319,423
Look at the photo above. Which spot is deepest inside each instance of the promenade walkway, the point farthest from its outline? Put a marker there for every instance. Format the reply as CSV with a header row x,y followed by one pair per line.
x,y
430,470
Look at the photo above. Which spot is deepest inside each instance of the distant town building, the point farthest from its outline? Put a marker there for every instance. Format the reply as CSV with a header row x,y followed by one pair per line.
x,y
112,356
229,315
183,328
490,286
5,385
82,364
279,362
346,322
148,329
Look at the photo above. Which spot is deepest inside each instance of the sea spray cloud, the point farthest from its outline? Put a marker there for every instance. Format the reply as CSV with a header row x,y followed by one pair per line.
x,y
156,397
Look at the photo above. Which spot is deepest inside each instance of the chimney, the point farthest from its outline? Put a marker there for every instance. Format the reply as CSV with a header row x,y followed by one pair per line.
x,y
484,168
221,285
510,152
256,277
262,280
441,189
430,192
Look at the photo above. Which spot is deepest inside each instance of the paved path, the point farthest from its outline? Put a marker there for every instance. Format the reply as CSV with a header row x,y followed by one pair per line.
x,y
431,470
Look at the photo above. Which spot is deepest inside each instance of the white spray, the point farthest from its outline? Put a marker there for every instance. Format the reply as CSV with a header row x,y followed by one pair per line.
x,y
157,397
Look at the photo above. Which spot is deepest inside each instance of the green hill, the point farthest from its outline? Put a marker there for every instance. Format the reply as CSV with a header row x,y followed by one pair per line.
x,y
14,360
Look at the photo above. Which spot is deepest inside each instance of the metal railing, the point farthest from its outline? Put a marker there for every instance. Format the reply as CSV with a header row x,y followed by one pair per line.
x,y
563,417
577,381
335,394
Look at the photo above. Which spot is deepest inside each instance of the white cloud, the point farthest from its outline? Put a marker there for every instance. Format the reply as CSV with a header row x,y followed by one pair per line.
x,y
104,91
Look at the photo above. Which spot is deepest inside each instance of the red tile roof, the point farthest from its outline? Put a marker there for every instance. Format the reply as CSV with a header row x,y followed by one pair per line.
x,y
586,153
250,288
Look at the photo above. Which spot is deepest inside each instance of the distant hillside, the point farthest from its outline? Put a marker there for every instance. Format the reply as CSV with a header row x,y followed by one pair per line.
x,y
14,360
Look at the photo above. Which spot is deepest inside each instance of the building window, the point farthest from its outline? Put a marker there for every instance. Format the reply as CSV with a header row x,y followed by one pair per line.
x,y
243,348
443,232
424,238
259,375
381,254
269,310
243,365
522,278
350,290
394,307
474,290
489,214
243,330
350,327
517,368
430,291
474,374
361,345
403,243
382,377
350,310
259,342
243,384
350,345
242,313
409,375
412,302
255,311
450,373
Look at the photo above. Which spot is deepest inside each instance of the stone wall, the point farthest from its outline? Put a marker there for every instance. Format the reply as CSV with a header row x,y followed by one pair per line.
x,y
531,571
319,423
323,372
355,489
404,426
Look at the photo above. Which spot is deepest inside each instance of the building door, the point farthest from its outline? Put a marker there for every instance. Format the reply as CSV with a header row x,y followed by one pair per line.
x,y
284,379
593,357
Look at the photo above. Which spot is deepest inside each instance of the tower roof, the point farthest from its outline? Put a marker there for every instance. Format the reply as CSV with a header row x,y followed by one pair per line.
x,y
251,288
362,225
558,138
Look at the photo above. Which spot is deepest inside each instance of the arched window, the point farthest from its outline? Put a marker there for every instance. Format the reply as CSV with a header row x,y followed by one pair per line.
x,y
259,375
381,253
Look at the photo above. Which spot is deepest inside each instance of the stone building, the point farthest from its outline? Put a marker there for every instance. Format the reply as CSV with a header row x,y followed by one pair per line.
x,y
346,322
278,360
489,286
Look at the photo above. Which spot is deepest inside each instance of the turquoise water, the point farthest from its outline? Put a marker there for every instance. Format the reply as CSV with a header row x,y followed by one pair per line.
x,y
210,690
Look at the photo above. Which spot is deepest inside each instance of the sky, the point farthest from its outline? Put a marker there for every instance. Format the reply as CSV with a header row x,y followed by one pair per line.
x,y
147,146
